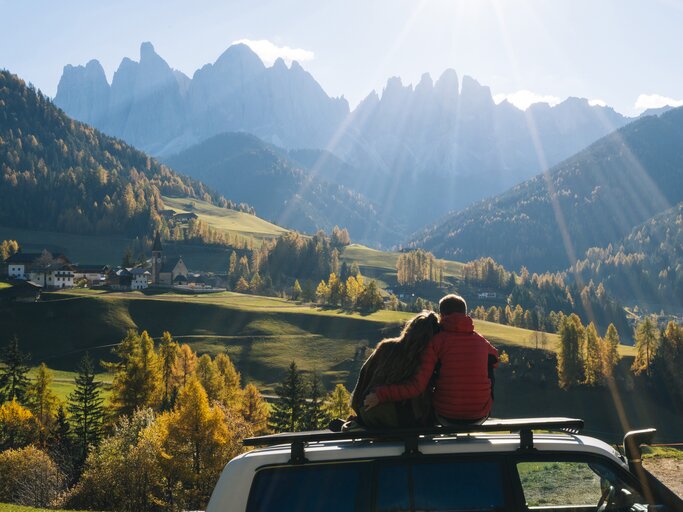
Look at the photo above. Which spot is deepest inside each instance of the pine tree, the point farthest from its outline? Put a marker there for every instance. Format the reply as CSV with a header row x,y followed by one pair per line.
x,y
314,416
647,340
288,410
85,407
13,379
61,447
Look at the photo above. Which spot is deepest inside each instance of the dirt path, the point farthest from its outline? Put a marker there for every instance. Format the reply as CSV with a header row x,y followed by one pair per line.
x,y
668,470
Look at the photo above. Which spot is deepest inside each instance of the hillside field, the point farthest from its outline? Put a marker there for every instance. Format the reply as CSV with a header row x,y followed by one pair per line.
x,y
222,219
262,334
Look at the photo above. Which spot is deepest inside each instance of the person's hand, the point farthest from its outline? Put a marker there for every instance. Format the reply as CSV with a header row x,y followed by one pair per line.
x,y
371,401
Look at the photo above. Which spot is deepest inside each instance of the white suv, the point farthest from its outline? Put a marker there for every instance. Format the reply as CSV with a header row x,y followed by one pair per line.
x,y
502,465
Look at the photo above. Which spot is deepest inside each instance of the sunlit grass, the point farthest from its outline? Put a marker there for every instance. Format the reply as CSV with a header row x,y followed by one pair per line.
x,y
229,221
9,507
4,285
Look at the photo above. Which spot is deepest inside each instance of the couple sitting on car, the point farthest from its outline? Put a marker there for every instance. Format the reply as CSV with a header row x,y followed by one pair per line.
x,y
439,370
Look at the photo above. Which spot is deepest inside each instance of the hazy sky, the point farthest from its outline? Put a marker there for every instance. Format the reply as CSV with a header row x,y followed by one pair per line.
x,y
623,52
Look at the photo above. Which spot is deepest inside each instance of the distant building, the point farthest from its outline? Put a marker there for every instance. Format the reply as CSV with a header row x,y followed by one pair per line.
x,y
20,263
127,279
185,217
52,276
487,295
95,275
165,272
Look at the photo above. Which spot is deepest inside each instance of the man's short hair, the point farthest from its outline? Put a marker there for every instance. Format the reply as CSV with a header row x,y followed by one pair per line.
x,y
452,303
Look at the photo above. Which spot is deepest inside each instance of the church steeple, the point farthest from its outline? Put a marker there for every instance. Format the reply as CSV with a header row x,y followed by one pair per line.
x,y
156,258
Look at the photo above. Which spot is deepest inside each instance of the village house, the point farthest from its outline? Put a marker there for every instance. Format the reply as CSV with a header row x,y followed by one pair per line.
x,y
19,264
127,279
94,275
55,276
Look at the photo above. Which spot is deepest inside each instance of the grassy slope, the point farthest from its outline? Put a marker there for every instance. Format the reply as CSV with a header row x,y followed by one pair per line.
x,y
9,507
230,221
262,334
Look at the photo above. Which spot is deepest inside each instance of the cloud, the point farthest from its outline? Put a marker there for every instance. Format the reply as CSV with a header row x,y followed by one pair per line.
x,y
269,52
524,99
646,101
597,103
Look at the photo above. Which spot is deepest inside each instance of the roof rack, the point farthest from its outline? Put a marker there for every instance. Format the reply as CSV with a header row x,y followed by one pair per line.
x,y
411,436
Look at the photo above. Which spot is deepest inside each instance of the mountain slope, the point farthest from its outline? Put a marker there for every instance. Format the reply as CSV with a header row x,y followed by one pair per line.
x,y
280,190
644,268
594,198
59,174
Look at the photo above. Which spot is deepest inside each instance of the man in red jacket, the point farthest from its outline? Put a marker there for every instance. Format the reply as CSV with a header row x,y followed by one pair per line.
x,y
463,391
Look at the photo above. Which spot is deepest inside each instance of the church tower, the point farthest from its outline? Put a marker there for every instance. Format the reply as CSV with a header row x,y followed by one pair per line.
x,y
156,258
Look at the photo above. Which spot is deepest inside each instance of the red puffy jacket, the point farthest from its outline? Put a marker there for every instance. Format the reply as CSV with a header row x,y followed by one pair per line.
x,y
463,388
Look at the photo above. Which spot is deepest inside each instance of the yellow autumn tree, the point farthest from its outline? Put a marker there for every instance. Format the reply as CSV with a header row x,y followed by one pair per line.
x,y
185,365
338,403
232,392
199,439
18,426
255,409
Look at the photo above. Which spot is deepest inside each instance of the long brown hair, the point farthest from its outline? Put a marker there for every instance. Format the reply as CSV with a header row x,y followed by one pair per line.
x,y
400,357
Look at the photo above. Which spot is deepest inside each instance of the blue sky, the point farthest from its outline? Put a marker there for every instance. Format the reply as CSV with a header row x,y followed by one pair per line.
x,y
615,51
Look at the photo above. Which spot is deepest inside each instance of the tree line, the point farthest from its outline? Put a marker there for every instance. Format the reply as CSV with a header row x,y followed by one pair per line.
x,y
59,174
542,294
584,357
174,416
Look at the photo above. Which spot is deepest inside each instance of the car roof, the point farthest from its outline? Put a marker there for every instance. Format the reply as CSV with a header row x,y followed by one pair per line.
x,y
459,444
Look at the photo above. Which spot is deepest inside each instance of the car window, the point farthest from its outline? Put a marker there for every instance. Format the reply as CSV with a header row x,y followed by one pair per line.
x,y
322,487
548,484
458,485
440,486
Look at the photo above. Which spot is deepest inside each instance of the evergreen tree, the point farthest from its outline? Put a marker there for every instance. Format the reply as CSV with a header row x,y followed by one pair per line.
x,y
569,362
288,410
13,379
61,445
314,416
85,407
647,340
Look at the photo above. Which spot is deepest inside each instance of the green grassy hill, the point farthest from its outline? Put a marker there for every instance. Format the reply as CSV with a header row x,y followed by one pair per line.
x,y
263,335
222,219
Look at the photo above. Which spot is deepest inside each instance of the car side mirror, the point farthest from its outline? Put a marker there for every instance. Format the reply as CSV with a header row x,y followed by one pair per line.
x,y
633,440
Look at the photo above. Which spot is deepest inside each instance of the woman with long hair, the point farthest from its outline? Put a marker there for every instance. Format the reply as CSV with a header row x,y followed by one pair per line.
x,y
396,360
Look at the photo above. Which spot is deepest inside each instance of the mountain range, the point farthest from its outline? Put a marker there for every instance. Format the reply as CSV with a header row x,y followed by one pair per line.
x,y
445,144
592,199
